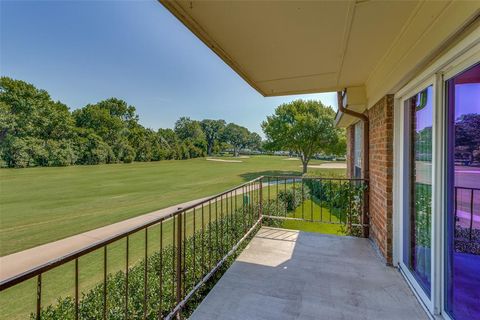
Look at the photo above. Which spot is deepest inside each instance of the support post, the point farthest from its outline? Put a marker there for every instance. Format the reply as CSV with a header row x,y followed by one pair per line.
x,y
261,202
179,262
365,219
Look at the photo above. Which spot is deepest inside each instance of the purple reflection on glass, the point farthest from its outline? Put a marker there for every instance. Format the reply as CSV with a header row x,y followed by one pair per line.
x,y
463,220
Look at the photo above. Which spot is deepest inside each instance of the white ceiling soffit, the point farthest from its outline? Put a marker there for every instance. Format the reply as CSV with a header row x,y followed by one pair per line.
x,y
293,47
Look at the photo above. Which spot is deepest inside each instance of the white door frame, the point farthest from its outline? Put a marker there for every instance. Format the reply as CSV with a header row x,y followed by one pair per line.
x,y
402,171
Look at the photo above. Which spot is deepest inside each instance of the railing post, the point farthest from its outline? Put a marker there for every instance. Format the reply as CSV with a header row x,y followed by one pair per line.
x,y
179,261
261,202
471,214
39,297
365,219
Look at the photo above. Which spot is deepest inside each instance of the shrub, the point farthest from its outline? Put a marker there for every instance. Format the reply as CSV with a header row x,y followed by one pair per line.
x,y
292,199
128,154
288,201
344,199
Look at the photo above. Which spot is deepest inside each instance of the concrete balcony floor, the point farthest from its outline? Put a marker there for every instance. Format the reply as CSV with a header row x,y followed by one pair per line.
x,y
285,274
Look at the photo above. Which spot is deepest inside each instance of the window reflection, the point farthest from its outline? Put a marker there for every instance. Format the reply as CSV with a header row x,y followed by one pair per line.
x,y
418,215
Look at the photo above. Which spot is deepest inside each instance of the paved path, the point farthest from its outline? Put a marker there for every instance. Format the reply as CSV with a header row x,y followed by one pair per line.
x,y
285,275
22,261
329,165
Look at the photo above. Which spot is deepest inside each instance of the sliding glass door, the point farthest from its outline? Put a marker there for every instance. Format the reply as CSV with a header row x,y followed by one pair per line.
x,y
462,272
436,184
417,215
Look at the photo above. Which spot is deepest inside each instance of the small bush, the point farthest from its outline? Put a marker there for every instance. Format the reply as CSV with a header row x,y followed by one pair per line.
x,y
291,199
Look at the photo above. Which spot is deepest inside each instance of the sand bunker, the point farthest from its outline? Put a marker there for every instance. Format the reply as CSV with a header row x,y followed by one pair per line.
x,y
330,165
223,160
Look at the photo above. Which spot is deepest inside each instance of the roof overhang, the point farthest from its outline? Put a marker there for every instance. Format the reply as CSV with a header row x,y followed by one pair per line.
x,y
294,47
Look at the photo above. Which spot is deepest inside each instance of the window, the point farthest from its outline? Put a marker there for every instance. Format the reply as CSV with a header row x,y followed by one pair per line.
x,y
357,150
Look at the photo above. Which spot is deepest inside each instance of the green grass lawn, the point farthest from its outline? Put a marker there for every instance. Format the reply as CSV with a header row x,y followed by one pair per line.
x,y
311,210
40,205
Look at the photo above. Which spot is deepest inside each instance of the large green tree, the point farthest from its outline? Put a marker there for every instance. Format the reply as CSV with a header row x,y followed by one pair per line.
x,y
237,136
254,141
115,122
192,136
35,130
213,130
304,127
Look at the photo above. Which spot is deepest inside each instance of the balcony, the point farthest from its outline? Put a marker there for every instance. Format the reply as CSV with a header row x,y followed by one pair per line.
x,y
287,274
236,248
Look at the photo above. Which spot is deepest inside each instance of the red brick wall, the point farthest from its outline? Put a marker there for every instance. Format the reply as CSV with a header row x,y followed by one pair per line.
x,y
381,175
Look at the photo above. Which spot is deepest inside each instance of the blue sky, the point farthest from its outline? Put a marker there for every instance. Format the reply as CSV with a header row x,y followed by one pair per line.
x,y
84,51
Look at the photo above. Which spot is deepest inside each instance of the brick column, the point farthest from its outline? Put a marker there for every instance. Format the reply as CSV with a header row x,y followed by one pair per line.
x,y
381,175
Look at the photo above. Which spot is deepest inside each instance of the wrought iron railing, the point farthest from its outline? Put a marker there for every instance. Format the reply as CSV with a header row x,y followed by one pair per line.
x,y
317,200
168,263
193,243
467,210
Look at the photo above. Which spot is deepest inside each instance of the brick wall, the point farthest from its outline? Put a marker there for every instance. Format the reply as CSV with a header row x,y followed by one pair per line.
x,y
381,175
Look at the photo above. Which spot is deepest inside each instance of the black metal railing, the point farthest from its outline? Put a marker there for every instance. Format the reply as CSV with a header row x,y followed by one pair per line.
x,y
160,280
467,209
317,200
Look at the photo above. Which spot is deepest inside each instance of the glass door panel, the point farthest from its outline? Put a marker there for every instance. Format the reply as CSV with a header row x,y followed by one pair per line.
x,y
418,193
463,196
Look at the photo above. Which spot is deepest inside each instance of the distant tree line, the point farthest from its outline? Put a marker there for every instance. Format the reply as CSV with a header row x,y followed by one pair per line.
x,y
37,131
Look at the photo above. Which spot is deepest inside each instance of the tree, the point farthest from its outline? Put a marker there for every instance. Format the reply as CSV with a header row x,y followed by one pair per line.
x,y
213,130
7,120
169,144
236,136
35,130
192,136
467,131
33,113
92,149
112,120
254,141
340,147
305,127
186,128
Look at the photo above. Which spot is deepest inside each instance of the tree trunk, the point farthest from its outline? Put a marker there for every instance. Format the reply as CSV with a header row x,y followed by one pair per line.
x,y
304,164
235,152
